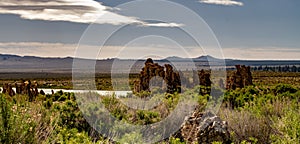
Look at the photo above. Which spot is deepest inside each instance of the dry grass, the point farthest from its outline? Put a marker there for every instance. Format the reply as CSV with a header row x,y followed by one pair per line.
x,y
261,122
244,125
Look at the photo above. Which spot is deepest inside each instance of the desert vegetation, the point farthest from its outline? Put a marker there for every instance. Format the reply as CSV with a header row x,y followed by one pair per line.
x,y
256,114
265,111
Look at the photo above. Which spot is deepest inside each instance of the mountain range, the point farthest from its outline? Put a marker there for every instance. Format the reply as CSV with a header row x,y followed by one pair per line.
x,y
15,63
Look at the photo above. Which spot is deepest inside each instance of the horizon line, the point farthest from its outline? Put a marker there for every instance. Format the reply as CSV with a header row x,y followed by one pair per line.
x,y
225,58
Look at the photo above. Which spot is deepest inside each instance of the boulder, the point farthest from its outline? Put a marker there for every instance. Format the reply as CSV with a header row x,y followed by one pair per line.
x,y
42,92
204,128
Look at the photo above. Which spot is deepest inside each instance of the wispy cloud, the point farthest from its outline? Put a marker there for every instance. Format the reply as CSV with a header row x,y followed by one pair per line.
x,y
263,53
64,50
77,11
223,2
163,24
38,49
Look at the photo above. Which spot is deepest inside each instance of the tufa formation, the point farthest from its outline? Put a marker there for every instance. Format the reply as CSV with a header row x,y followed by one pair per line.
x,y
151,73
240,78
204,81
22,87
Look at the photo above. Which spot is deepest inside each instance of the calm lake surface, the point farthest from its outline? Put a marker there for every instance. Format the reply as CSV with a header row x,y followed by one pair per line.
x,y
100,92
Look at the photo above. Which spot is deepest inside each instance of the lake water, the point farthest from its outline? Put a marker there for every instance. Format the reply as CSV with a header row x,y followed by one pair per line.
x,y
100,92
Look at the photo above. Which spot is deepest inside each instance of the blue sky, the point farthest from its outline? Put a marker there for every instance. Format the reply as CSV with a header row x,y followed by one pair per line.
x,y
254,29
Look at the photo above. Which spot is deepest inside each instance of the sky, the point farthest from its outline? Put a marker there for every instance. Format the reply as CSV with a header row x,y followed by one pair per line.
x,y
253,29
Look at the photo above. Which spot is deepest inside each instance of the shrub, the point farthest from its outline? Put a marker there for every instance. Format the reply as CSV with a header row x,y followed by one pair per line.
x,y
288,126
173,140
72,136
131,138
283,88
246,126
147,117
17,124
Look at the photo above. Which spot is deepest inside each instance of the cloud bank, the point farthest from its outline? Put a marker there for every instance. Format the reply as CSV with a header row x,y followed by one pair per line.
x,y
223,2
68,50
77,11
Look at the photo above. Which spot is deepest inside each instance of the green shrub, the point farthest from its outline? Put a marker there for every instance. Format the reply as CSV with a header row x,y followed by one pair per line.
x,y
147,117
173,140
71,136
131,138
283,88
288,126
16,123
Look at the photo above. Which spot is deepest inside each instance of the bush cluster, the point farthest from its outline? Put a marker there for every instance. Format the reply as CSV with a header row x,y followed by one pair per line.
x,y
255,114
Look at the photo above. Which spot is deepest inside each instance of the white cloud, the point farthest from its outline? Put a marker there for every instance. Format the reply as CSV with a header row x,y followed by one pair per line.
x,y
38,49
78,11
163,24
222,2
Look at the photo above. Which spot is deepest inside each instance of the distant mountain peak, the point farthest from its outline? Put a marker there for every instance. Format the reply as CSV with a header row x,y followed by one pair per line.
x,y
200,58
206,58
173,57
8,55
